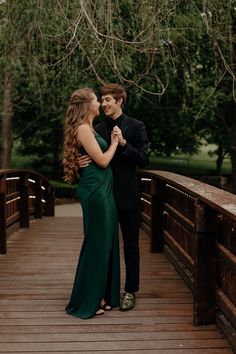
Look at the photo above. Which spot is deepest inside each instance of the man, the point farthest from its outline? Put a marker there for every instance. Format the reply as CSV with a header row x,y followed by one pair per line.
x,y
132,151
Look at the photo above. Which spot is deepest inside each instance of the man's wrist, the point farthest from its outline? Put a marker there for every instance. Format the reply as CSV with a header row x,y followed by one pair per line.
x,y
123,143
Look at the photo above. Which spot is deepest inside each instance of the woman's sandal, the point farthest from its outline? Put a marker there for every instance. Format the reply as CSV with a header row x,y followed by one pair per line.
x,y
106,307
100,312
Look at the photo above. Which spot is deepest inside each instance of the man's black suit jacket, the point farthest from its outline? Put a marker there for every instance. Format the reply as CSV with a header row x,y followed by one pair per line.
x,y
123,164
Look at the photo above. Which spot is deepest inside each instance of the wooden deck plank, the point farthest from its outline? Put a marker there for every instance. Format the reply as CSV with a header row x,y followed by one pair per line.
x,y
137,336
136,351
106,328
35,283
112,343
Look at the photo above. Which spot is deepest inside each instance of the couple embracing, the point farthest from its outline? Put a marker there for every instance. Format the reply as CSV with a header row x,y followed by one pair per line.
x,y
104,157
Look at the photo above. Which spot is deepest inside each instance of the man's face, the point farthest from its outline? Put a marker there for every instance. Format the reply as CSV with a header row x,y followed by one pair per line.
x,y
110,106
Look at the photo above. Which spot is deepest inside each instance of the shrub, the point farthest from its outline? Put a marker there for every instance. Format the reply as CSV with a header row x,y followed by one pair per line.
x,y
63,190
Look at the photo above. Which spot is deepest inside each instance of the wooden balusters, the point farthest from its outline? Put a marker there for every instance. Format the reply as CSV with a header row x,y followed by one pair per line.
x,y
24,200
38,212
23,195
204,292
3,227
49,209
157,215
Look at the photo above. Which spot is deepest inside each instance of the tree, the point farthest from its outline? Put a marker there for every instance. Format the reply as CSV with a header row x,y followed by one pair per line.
x,y
214,98
176,59
17,23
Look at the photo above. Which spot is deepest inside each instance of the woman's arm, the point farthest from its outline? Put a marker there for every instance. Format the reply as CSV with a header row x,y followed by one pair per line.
x,y
87,139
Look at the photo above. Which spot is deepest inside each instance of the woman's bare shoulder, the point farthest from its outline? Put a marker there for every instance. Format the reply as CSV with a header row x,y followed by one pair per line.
x,y
84,127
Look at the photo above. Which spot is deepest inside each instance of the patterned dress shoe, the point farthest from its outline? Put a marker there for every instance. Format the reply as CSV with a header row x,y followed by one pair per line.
x,y
127,302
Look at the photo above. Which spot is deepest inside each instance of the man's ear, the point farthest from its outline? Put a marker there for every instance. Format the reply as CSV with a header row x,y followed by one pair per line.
x,y
120,101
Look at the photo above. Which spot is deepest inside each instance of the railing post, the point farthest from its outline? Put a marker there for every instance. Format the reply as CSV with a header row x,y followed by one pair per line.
x,y
204,292
49,201
157,215
24,201
38,200
3,226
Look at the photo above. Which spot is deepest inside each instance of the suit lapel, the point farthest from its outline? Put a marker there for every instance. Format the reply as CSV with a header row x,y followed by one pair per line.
x,y
125,125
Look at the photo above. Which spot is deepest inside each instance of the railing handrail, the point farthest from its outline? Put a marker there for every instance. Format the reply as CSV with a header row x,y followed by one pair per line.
x,y
24,194
195,225
216,198
12,171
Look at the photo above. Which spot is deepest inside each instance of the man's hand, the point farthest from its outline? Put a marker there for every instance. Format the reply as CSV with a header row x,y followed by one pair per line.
x,y
116,130
84,161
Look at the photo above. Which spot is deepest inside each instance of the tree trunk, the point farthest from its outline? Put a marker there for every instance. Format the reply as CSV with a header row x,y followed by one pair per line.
x,y
6,122
233,108
219,161
233,146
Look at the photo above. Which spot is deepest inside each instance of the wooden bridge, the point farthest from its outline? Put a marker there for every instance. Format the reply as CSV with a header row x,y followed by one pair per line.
x,y
187,297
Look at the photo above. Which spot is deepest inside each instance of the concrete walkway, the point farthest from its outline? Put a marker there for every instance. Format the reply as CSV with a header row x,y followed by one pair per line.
x,y
68,210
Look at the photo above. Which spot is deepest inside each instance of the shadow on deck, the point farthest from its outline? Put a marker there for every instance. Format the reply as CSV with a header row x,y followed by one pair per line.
x,y
36,278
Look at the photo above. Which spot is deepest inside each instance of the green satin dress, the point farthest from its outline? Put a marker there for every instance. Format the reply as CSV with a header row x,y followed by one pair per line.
x,y
98,271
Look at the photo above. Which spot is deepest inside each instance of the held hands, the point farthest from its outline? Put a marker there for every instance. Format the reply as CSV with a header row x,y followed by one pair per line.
x,y
114,138
118,133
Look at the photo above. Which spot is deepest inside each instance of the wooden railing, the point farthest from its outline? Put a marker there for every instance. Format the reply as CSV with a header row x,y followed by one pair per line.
x,y
23,195
195,224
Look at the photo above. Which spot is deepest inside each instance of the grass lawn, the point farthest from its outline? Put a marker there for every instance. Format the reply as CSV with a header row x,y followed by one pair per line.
x,y
21,162
199,164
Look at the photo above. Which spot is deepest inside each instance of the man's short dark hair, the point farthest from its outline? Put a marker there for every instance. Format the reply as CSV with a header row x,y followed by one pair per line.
x,y
116,90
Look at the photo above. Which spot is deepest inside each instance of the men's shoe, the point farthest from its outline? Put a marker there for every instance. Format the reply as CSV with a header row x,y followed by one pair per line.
x,y
127,302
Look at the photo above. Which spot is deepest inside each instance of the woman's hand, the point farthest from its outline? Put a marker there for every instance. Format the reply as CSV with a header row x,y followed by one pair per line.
x,y
116,130
114,138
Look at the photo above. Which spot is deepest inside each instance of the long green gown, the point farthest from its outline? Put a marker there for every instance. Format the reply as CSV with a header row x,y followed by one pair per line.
x,y
98,271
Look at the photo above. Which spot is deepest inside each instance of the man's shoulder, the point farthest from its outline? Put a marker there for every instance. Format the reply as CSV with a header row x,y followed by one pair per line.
x,y
133,121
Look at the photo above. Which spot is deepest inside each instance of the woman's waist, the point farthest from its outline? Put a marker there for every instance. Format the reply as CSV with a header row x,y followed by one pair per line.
x,y
94,171
90,179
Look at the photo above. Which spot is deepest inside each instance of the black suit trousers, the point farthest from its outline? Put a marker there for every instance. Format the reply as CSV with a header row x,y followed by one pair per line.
x,y
129,223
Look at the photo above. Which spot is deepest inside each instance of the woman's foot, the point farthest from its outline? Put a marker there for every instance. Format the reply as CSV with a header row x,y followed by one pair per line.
x,y
105,306
99,312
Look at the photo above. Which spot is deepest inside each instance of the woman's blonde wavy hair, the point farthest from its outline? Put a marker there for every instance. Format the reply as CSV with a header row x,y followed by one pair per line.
x,y
77,113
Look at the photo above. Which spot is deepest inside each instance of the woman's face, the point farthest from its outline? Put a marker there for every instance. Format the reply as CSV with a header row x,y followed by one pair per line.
x,y
94,105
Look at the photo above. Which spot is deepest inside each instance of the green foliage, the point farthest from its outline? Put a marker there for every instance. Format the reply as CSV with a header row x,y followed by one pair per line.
x,y
194,165
63,190
175,59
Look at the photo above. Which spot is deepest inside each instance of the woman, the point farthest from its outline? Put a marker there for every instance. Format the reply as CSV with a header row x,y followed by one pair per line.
x,y
97,280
